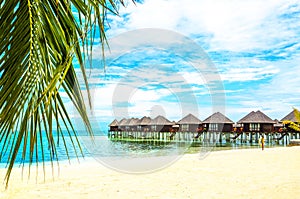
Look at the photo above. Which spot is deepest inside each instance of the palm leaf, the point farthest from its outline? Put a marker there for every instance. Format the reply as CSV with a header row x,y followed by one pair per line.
x,y
38,42
294,125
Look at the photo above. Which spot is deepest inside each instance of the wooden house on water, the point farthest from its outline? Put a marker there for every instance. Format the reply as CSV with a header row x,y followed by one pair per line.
x,y
122,124
189,123
114,125
144,124
132,124
161,124
257,122
218,122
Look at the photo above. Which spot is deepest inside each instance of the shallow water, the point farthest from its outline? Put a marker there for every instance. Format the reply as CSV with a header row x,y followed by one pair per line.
x,y
144,148
103,147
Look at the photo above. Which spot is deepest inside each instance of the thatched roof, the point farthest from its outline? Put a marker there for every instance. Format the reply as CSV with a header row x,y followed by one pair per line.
x,y
218,118
190,119
123,122
130,122
256,117
144,121
290,117
161,120
133,122
114,123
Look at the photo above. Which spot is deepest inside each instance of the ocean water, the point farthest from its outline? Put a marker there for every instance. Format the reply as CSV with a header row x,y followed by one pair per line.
x,y
103,147
42,152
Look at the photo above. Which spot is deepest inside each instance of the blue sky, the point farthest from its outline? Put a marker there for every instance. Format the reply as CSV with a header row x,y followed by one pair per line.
x,y
254,46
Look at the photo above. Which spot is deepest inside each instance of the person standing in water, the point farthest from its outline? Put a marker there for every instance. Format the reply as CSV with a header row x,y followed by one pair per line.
x,y
262,142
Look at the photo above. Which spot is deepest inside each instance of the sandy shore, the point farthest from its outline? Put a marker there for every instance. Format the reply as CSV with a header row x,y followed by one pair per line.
x,y
247,173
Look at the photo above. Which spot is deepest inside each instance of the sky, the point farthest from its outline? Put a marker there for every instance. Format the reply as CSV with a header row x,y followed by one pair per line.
x,y
174,57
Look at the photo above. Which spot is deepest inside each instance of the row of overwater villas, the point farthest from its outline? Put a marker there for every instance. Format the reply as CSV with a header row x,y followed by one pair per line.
x,y
217,122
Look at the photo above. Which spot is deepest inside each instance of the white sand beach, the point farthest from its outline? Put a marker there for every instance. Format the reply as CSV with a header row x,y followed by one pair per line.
x,y
246,173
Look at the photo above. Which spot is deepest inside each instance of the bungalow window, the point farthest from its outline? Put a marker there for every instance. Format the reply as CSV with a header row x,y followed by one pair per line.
x,y
153,127
213,127
139,128
254,127
184,127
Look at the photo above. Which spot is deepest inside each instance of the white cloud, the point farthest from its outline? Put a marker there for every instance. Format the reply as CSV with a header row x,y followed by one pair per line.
x,y
249,74
256,45
232,25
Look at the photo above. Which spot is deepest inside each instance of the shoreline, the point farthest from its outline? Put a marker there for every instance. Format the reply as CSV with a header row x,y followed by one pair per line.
x,y
242,173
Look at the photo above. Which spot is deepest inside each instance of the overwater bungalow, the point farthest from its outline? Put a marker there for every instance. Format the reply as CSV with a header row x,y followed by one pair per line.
x,y
126,124
161,124
189,123
114,125
218,122
215,128
144,124
122,124
133,124
257,122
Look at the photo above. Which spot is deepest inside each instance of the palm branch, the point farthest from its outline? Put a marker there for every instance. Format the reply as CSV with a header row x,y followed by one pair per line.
x,y
38,42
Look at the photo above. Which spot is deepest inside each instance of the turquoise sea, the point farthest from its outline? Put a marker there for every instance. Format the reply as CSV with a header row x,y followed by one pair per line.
x,y
102,147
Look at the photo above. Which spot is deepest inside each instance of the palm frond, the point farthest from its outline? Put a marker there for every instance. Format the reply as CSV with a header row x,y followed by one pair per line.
x,y
294,125
38,42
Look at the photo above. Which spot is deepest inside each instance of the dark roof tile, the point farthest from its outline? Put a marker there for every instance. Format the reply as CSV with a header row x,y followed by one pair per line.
x,y
161,120
190,119
218,118
290,117
256,117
